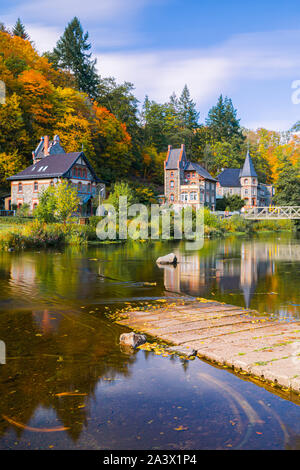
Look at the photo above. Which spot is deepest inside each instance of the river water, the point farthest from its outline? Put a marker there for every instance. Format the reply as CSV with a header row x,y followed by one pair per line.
x,y
66,383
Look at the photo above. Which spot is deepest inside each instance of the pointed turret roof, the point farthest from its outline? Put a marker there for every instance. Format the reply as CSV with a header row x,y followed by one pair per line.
x,y
248,168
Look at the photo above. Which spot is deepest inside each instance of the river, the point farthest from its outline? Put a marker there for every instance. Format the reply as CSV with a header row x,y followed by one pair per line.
x,y
67,384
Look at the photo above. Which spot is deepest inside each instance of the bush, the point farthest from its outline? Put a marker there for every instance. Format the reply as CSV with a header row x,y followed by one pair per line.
x,y
236,223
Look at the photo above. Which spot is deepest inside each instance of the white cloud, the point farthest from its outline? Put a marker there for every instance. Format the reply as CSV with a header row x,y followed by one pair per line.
x,y
158,74
206,71
54,11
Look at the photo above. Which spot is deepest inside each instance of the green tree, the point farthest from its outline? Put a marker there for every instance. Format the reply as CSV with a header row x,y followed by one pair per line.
x,y
57,203
72,53
230,202
287,189
121,188
153,121
223,122
187,110
19,30
45,211
3,28
67,200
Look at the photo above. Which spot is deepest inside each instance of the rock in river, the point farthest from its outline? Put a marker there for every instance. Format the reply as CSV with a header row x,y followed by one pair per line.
x,y
171,258
132,339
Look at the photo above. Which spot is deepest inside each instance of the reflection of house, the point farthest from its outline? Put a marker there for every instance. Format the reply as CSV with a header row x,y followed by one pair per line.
x,y
51,164
187,183
190,276
244,183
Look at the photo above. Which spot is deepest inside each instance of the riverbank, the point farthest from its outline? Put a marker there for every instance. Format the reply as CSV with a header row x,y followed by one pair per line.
x,y
24,233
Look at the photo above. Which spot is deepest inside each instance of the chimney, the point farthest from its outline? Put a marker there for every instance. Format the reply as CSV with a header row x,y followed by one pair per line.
x,y
56,139
46,145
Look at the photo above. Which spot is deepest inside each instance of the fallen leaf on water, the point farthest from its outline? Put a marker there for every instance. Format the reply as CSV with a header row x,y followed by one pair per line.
x,y
70,394
181,428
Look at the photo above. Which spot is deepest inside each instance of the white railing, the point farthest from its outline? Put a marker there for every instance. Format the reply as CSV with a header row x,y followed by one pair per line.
x,y
268,213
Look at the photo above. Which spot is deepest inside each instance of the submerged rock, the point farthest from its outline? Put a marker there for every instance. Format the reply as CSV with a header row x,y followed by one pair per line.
x,y
171,258
184,351
132,339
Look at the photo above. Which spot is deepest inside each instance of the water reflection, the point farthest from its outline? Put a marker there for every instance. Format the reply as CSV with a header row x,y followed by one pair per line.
x,y
50,354
66,382
251,273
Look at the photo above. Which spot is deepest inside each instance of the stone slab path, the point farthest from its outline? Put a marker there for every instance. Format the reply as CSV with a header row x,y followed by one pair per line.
x,y
229,335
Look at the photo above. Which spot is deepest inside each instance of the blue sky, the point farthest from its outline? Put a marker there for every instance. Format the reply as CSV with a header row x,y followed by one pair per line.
x,y
247,50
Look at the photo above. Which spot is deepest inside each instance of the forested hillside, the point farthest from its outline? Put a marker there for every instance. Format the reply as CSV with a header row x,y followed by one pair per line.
x,y
63,92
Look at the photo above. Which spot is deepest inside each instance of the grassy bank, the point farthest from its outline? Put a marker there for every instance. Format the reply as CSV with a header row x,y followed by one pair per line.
x,y
19,233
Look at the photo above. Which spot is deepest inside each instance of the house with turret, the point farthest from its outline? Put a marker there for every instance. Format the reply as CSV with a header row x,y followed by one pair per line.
x,y
244,182
187,183
51,164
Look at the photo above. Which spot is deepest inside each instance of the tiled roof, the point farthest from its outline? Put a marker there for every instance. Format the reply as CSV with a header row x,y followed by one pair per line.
x,y
53,166
172,163
191,166
248,168
230,177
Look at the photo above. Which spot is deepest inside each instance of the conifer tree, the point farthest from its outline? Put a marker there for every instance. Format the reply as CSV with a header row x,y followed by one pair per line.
x,y
187,110
19,30
72,53
223,122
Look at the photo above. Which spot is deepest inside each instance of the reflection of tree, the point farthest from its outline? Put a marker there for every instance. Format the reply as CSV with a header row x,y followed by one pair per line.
x,y
71,358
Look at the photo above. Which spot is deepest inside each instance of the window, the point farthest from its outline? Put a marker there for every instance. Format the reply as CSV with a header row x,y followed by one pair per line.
x,y
35,204
246,191
84,173
246,181
74,171
171,184
35,186
79,186
89,187
172,174
51,183
193,196
171,197
79,172
184,196
20,187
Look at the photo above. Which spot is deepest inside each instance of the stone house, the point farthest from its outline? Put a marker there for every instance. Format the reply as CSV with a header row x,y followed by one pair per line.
x,y
51,164
244,183
187,183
